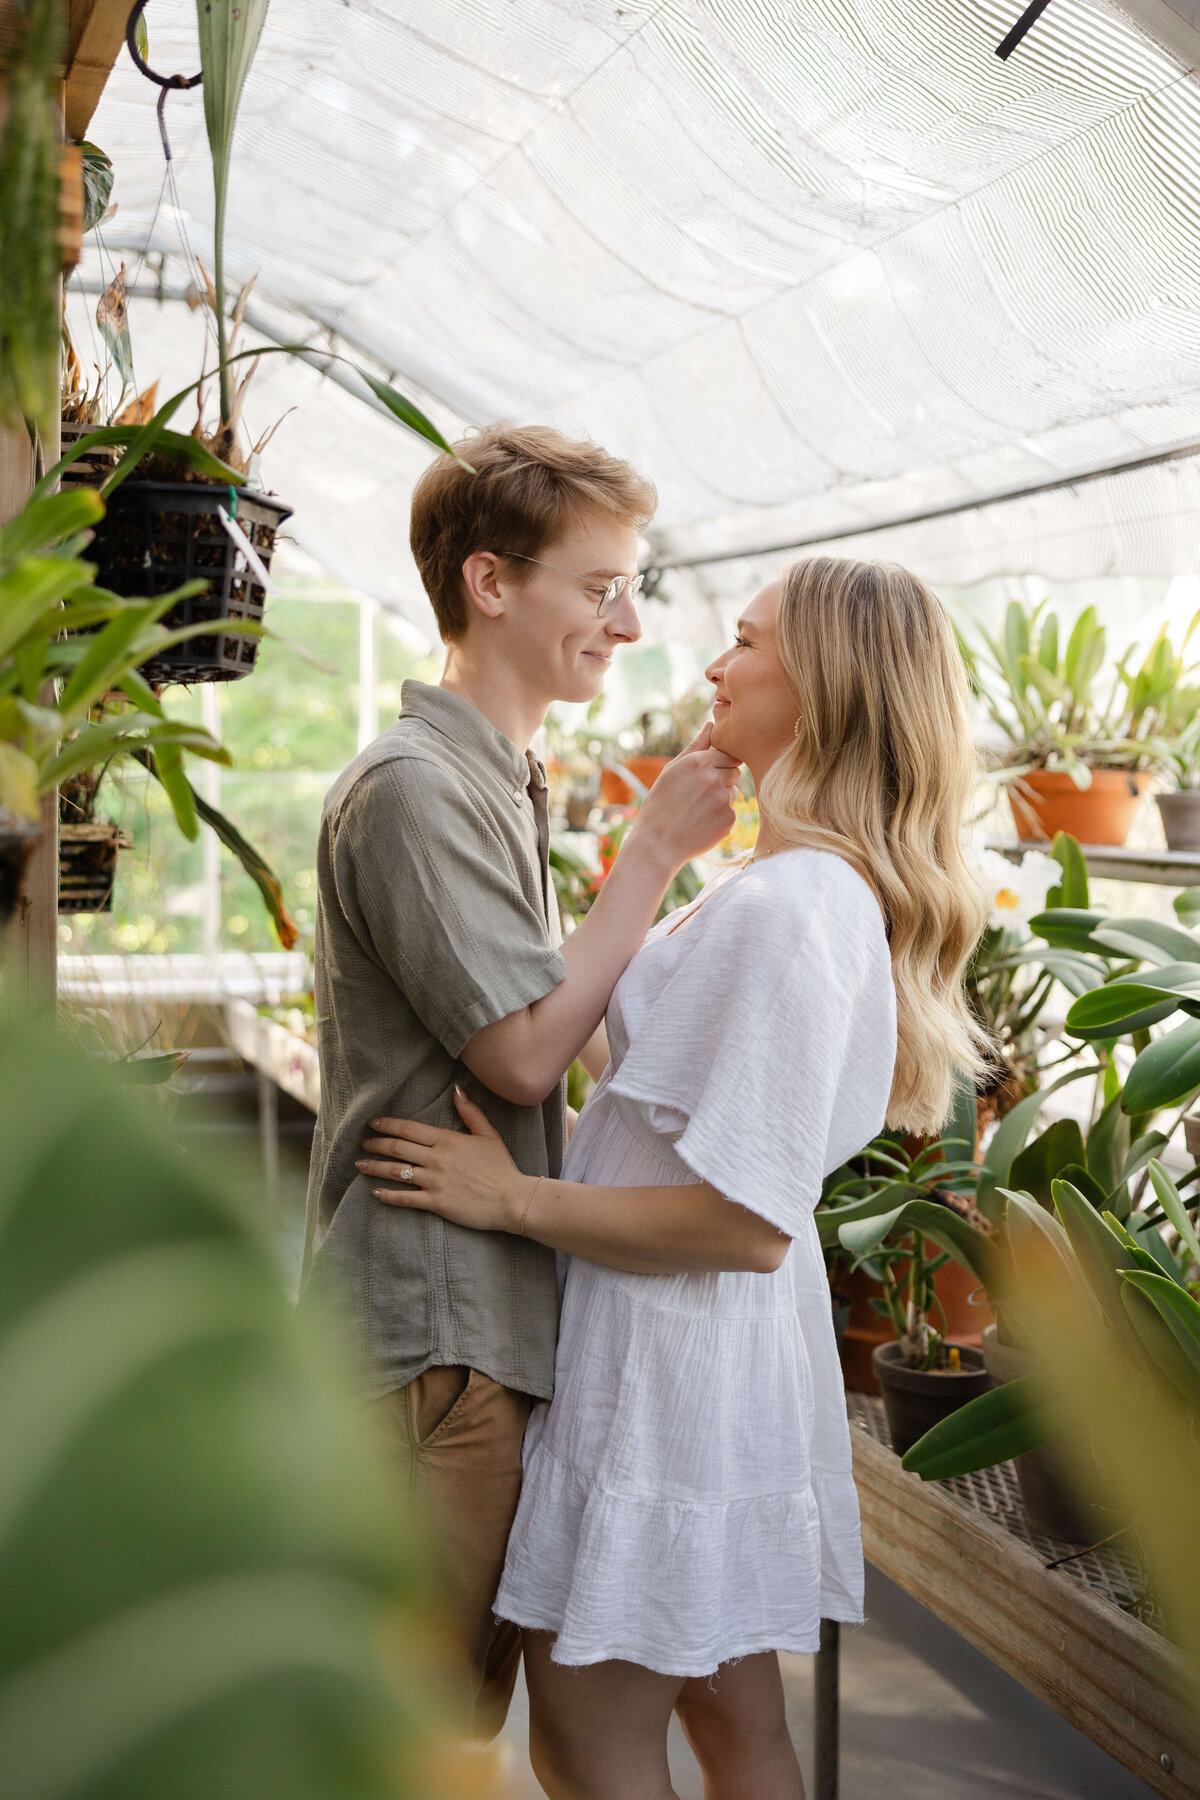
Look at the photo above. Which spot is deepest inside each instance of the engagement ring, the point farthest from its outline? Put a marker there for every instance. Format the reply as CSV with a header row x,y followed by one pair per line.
x,y
406,1174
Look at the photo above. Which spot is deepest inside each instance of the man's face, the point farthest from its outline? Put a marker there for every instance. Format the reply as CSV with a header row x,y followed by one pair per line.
x,y
550,628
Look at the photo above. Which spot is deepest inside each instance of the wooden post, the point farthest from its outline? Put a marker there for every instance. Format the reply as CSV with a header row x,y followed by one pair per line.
x,y
95,34
31,941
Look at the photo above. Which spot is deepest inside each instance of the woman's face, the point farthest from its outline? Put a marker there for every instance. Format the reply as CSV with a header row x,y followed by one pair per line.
x,y
754,711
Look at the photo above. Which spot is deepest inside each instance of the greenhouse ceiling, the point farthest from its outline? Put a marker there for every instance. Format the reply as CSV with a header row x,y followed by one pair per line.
x,y
816,267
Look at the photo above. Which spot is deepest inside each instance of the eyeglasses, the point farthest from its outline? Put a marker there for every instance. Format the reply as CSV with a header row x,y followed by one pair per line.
x,y
612,593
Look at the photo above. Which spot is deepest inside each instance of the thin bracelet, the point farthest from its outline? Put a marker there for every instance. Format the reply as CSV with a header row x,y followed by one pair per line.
x,y
529,1202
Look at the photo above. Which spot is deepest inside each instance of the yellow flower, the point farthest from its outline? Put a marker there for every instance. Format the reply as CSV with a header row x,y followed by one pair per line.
x,y
744,834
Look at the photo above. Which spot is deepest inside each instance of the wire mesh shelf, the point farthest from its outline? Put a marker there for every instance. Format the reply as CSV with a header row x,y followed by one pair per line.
x,y
1110,1571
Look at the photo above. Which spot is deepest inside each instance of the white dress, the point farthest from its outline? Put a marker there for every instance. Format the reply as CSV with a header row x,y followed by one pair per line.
x,y
688,1495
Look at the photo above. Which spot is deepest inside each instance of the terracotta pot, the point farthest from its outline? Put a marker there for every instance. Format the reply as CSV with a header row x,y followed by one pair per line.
x,y
646,769
866,1329
1181,819
915,1400
1047,800
1051,1503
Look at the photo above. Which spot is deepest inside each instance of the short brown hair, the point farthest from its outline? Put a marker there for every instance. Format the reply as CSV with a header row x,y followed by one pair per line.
x,y
530,485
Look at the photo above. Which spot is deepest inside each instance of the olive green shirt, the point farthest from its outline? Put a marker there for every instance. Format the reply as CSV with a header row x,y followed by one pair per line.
x,y
436,917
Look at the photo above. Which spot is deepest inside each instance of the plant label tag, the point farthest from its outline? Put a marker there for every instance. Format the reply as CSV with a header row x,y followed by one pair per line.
x,y
253,560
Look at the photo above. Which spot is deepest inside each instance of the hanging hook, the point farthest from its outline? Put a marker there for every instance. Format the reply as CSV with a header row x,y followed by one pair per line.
x,y
1028,18
165,82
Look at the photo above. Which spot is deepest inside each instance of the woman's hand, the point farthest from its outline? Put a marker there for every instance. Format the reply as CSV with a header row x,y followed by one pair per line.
x,y
470,1180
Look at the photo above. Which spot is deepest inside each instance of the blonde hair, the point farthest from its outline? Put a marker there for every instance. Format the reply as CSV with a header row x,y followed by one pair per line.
x,y
530,485
879,774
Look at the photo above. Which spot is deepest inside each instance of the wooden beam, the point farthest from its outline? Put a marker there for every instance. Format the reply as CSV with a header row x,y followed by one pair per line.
x,y
95,34
1101,1669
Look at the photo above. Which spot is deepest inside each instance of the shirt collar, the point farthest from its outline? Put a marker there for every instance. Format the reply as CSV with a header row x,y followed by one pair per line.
x,y
466,726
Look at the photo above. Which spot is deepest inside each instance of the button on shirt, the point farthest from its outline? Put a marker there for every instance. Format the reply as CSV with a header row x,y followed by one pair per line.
x,y
436,917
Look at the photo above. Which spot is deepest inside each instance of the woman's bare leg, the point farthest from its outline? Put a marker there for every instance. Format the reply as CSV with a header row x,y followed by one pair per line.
x,y
600,1732
736,1725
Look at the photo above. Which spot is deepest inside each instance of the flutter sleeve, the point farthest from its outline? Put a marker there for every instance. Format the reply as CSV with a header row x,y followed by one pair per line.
x,y
766,1059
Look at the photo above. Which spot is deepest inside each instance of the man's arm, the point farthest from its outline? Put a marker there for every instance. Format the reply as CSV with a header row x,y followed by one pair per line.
x,y
470,1178
523,1055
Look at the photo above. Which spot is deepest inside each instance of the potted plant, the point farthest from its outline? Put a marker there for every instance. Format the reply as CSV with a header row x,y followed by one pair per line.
x,y
1010,978
1144,1296
909,1305
87,846
1179,807
66,646
1072,762
644,749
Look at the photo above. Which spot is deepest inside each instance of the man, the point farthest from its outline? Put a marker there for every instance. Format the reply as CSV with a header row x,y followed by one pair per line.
x,y
439,961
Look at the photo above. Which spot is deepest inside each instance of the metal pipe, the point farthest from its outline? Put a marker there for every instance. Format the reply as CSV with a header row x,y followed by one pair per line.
x,y
826,1674
1176,453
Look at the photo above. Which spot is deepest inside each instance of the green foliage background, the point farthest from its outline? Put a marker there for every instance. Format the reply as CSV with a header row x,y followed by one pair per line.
x,y
291,727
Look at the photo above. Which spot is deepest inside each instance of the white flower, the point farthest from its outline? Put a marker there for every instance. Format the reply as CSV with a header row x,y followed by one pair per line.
x,y
1016,891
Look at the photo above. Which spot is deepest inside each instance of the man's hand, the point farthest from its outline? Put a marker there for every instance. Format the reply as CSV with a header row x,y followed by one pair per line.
x,y
690,806
471,1180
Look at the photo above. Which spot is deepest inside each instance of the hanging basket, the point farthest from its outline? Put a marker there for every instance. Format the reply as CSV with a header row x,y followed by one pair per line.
x,y
87,866
94,466
158,534
17,838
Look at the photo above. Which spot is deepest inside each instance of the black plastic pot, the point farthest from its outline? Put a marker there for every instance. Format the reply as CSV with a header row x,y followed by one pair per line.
x,y
87,866
915,1400
1051,1504
158,534
1180,815
17,838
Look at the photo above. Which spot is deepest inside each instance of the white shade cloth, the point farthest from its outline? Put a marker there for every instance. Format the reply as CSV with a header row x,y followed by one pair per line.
x,y
810,266
688,1495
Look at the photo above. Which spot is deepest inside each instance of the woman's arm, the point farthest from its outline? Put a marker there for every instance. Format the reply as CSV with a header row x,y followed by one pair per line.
x,y
522,1056
473,1181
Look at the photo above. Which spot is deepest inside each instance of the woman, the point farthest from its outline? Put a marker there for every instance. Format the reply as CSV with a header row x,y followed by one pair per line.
x,y
688,1508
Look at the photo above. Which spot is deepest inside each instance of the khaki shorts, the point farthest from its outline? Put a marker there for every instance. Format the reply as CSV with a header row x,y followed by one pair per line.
x,y
462,1433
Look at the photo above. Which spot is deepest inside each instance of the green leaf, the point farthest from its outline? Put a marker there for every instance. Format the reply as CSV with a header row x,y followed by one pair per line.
x,y
1166,1072
991,1429
1187,905
1171,1201
1072,891
1120,1006
1161,1302
408,414
168,766
1010,1135
106,657
1100,1252
1048,643
1067,927
98,178
1108,1143
1046,1157
18,782
31,594
40,524
1081,1177
1149,939
1141,1258
252,860
965,1243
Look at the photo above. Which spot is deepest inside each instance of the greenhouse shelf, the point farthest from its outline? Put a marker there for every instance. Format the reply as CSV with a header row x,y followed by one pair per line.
x,y
1080,1635
1165,868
